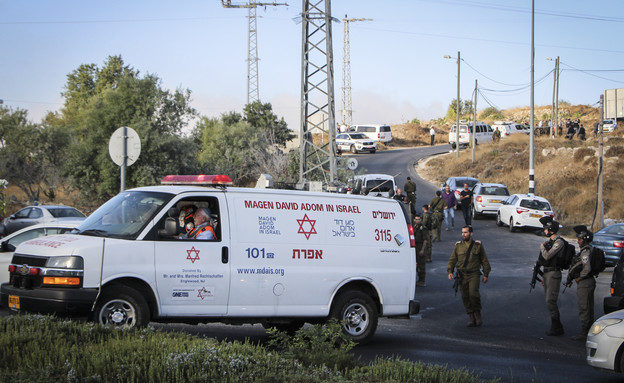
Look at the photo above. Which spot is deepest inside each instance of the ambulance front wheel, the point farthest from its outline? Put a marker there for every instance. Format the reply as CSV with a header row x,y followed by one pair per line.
x,y
121,306
357,313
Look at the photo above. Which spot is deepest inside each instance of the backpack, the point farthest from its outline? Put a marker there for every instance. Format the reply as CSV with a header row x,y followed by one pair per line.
x,y
564,260
597,261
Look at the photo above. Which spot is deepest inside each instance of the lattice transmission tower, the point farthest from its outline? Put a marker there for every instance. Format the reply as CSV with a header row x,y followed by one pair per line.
x,y
347,111
253,91
318,121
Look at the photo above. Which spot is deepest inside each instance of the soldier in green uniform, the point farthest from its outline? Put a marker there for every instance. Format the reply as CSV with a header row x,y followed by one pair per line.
x,y
427,221
469,257
421,237
410,190
437,206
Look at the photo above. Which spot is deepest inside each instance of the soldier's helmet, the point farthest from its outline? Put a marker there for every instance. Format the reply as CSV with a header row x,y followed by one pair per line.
x,y
549,223
584,233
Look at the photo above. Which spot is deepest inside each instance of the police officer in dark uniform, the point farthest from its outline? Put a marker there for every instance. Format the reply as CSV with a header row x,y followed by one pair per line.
x,y
582,273
469,257
421,237
550,251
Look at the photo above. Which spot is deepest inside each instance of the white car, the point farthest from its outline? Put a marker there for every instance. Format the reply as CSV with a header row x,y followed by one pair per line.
x,y
355,143
508,128
605,342
523,210
10,242
609,125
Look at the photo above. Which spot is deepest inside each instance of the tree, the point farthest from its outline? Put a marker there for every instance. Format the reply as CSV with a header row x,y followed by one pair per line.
x,y
465,108
30,153
99,101
493,113
261,116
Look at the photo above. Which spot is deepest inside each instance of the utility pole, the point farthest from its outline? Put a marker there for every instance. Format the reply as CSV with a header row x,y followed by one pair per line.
x,y
347,112
600,202
253,91
317,155
554,121
474,126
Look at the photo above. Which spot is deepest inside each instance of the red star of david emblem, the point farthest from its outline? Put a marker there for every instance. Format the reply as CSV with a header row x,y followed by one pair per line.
x,y
195,258
201,291
310,222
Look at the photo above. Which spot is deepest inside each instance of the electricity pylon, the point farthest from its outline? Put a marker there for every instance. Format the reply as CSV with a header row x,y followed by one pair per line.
x,y
347,112
317,153
253,91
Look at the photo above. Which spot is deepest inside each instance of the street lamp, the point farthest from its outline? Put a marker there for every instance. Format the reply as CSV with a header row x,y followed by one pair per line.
x,y
555,112
458,106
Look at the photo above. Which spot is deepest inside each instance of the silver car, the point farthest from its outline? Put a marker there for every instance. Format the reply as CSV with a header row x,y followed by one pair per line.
x,y
487,198
605,341
32,215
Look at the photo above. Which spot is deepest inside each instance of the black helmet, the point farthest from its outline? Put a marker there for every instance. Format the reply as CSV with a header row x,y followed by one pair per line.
x,y
549,223
584,233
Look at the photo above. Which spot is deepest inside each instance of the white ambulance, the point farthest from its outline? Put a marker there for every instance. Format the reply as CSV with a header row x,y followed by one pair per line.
x,y
279,258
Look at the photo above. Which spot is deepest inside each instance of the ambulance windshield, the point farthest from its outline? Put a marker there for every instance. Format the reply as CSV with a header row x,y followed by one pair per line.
x,y
125,215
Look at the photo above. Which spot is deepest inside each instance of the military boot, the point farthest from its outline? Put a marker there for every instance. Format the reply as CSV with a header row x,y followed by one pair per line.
x,y
582,335
556,328
478,319
472,322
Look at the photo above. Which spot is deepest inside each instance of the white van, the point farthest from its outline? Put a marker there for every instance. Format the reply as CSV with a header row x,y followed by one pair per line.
x,y
483,133
382,133
280,258
508,128
379,185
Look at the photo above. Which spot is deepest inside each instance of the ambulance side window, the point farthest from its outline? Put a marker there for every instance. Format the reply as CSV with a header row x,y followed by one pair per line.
x,y
186,230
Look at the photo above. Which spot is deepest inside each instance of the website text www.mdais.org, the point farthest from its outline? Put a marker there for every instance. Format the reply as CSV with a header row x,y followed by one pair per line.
x,y
261,271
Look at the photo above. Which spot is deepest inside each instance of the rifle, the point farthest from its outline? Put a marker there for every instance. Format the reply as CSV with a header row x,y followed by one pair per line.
x,y
572,274
537,272
459,276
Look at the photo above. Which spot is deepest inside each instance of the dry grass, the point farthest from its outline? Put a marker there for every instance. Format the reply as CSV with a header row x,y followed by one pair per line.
x,y
565,173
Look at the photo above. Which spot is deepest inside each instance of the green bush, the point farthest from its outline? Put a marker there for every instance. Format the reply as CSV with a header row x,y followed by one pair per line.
x,y
45,349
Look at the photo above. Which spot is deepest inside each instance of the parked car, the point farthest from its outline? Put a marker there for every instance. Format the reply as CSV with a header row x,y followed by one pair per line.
x,y
506,129
381,185
32,215
615,301
605,343
487,198
355,143
609,125
611,240
523,210
457,184
483,134
382,133
10,242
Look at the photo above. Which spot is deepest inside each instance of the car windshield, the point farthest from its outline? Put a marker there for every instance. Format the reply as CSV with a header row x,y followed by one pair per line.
x,y
379,185
461,181
535,204
358,136
65,212
607,122
494,190
125,215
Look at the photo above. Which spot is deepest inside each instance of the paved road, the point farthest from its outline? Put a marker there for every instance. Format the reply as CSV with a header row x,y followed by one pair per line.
x,y
510,345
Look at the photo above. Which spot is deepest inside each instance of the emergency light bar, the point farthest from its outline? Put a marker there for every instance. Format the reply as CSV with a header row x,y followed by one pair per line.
x,y
201,179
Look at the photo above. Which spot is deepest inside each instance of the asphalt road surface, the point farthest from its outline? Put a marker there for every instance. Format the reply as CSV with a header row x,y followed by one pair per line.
x,y
511,344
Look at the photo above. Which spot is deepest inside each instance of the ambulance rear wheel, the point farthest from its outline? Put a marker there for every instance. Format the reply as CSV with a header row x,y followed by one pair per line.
x,y
121,307
357,314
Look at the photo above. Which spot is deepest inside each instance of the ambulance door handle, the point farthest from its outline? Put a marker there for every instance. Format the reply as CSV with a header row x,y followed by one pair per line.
x,y
224,255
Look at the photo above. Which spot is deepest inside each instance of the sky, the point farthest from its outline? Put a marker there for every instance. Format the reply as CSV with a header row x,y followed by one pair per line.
x,y
398,69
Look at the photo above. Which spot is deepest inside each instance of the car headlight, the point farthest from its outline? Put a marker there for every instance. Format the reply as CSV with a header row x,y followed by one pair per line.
x,y
600,325
68,262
